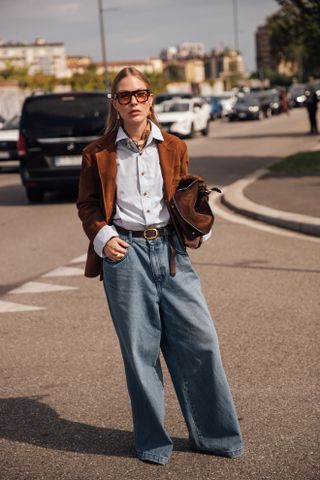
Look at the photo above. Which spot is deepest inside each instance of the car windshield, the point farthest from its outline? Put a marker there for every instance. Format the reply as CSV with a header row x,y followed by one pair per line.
x,y
247,101
297,90
12,124
176,107
162,97
65,115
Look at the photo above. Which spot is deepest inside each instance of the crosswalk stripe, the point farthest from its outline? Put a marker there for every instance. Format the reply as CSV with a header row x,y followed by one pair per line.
x,y
64,272
80,259
9,307
38,287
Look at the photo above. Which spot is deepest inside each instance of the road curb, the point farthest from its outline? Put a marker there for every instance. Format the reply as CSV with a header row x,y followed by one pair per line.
x,y
234,198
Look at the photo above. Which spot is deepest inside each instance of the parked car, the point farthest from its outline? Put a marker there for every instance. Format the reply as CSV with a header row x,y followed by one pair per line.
x,y
275,104
316,87
264,98
185,117
164,97
227,101
247,107
215,106
54,129
297,96
9,135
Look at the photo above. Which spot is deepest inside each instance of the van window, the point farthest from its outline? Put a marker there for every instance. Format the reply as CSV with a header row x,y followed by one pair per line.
x,y
64,115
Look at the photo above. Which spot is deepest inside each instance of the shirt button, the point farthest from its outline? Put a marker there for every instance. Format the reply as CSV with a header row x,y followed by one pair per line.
x,y
147,211
145,194
142,173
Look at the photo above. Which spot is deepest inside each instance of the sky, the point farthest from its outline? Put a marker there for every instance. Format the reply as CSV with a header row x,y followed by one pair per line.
x,y
135,29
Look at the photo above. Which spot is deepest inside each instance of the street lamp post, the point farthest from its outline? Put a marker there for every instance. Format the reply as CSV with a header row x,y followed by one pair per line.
x,y
103,45
236,24
103,41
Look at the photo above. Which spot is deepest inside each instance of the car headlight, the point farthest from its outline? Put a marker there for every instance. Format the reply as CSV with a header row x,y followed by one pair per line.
x,y
253,108
301,98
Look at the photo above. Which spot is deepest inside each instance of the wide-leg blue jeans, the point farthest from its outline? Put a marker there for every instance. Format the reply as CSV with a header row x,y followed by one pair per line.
x,y
153,311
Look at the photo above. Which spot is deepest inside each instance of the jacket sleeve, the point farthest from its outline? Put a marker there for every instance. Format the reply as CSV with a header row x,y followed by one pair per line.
x,y
89,203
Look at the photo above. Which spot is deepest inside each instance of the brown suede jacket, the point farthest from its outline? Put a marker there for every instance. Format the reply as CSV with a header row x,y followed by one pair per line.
x,y
97,186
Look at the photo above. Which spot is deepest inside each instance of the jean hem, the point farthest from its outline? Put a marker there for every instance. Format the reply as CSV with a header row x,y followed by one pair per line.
x,y
153,458
221,453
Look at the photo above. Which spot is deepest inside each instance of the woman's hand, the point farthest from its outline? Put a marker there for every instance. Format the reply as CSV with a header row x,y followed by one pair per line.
x,y
115,248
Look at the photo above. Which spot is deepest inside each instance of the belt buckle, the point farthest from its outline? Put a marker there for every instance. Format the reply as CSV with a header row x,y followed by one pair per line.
x,y
152,237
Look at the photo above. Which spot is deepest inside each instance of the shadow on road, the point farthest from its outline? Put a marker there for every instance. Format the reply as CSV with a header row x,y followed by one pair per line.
x,y
255,136
14,195
224,170
29,420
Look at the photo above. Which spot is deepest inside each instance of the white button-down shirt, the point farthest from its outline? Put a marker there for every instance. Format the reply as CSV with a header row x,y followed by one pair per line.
x,y
140,201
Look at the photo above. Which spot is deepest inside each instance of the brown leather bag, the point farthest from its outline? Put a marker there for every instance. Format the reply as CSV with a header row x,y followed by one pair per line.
x,y
190,210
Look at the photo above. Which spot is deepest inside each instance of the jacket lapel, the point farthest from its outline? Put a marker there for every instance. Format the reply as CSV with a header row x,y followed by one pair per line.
x,y
107,169
167,165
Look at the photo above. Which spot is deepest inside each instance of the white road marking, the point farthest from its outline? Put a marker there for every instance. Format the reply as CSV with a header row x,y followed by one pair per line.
x,y
80,259
64,272
38,287
8,307
237,218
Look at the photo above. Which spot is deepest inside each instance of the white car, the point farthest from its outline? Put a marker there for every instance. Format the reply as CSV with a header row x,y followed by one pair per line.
x,y
185,117
9,134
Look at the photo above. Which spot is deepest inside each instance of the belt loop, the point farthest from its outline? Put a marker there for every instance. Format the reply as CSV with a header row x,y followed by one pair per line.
x,y
130,236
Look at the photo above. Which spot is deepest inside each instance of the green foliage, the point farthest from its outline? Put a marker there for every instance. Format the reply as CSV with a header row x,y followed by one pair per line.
x,y
276,79
295,35
89,80
174,73
303,162
157,82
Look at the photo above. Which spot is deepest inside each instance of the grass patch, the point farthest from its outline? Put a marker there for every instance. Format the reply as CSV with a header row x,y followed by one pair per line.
x,y
303,162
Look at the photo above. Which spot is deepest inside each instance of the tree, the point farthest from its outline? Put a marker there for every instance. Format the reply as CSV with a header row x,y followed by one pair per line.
x,y
89,80
295,35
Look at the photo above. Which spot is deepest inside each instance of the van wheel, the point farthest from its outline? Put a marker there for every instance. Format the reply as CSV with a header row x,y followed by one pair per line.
x,y
34,195
205,131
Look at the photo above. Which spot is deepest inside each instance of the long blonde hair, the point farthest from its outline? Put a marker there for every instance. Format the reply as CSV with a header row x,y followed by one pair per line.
x,y
113,119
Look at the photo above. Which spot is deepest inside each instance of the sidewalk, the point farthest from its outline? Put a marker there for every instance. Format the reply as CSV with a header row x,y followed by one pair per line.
x,y
288,201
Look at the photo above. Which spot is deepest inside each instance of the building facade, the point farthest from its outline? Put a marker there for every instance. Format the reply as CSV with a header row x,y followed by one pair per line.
x,y
78,64
225,64
264,56
40,56
150,65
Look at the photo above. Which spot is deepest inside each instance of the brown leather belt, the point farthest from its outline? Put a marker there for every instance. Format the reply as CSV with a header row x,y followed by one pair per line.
x,y
151,233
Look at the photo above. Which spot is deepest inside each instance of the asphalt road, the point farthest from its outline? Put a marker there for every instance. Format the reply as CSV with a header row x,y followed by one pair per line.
x,y
64,410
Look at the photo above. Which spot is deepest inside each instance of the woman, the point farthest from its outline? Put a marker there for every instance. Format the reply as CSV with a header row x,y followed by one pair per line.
x,y
127,179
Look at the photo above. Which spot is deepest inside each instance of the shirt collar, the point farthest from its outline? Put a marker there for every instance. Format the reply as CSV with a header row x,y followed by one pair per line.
x,y
155,134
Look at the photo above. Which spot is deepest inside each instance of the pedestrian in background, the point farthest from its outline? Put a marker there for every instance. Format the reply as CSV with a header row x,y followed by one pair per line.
x,y
283,101
128,176
312,107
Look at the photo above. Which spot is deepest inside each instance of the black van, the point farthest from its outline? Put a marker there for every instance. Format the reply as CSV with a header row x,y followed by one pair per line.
x,y
54,129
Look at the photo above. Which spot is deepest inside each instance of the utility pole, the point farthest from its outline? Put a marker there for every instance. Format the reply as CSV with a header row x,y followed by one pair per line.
x,y
236,24
103,41
103,45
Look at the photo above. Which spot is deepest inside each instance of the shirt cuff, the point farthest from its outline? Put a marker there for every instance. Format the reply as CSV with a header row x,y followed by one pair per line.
x,y
102,237
206,237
